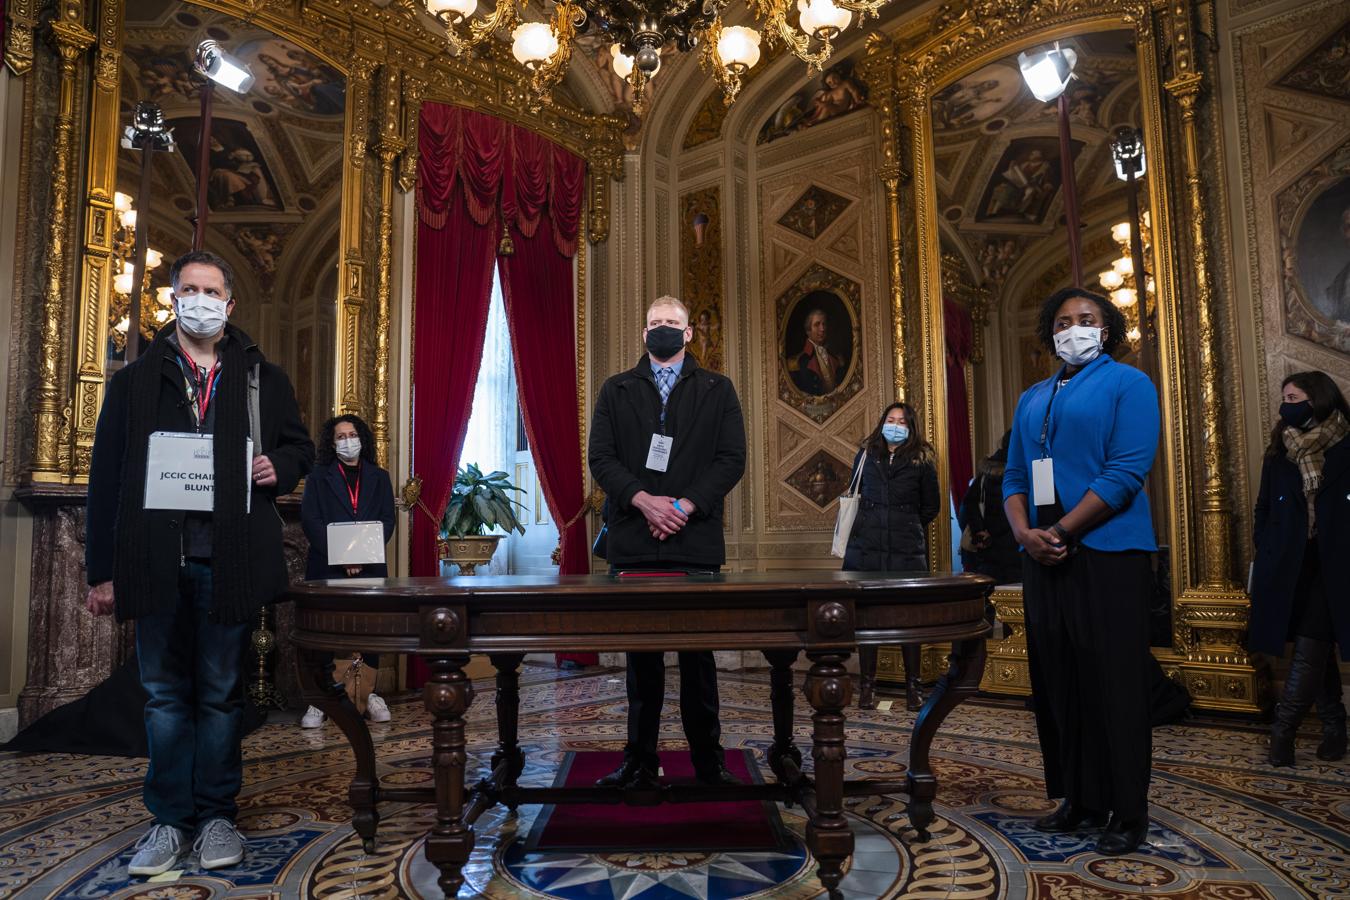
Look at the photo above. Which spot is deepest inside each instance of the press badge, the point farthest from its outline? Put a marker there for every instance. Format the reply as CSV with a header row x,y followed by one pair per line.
x,y
658,457
1043,482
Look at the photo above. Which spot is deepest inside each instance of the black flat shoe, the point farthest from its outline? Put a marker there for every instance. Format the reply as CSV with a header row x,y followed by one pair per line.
x,y
1121,838
633,773
1070,818
717,776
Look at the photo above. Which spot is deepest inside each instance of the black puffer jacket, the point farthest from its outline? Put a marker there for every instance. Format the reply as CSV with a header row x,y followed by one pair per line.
x,y
898,502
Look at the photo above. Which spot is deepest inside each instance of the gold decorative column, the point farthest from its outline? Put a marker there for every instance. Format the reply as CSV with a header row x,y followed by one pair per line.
x,y
878,70
582,250
1209,619
352,299
72,40
389,146
23,20
96,263
414,89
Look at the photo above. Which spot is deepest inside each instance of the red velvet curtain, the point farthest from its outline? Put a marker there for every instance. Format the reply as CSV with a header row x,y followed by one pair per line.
x,y
476,173
959,336
455,256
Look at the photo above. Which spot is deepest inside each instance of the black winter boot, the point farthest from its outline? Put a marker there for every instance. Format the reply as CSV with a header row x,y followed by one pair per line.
x,y
1301,687
1331,711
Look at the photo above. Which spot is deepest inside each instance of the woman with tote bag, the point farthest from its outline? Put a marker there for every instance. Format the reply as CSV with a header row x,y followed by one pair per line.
x,y
896,497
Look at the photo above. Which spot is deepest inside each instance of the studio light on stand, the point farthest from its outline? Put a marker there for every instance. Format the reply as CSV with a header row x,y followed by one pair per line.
x,y
1127,150
217,68
148,134
1047,74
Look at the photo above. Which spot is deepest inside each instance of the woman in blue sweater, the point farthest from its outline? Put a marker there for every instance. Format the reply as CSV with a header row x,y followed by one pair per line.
x,y
1082,446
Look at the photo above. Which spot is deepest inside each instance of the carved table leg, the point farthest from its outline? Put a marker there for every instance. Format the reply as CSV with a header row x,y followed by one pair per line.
x,y
447,696
508,714
962,680
829,689
316,681
781,699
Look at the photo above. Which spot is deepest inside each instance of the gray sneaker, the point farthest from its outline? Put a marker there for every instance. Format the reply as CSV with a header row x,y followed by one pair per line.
x,y
157,850
219,844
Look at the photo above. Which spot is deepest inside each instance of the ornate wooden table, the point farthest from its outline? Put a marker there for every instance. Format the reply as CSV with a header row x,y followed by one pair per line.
x,y
825,614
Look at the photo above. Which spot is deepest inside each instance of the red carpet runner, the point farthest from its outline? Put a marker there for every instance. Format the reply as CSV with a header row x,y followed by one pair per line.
x,y
690,827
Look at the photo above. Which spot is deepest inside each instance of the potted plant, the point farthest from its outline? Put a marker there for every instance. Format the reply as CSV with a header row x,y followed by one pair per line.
x,y
478,504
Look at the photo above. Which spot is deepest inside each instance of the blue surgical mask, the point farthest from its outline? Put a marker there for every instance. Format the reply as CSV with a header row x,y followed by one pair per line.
x,y
894,434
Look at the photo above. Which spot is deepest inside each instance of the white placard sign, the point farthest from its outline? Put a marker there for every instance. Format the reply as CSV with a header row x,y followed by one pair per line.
x,y
180,472
355,543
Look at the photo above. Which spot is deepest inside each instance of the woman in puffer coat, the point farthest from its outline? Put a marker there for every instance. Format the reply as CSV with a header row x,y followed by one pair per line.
x,y
899,491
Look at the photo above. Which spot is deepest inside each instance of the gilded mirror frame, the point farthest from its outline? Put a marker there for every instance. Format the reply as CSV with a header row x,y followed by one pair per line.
x,y
904,77
391,58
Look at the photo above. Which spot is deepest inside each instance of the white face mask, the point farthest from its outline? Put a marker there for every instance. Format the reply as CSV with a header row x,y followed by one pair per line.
x,y
200,316
1078,345
348,448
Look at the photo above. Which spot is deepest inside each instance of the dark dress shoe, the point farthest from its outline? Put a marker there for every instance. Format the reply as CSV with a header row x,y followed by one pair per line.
x,y
1120,837
1070,818
633,773
717,776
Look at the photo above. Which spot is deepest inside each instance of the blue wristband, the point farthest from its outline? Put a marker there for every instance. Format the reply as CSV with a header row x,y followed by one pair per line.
x,y
677,507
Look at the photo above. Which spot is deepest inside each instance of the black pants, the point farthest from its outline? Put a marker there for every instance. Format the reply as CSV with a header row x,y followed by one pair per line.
x,y
700,709
1087,644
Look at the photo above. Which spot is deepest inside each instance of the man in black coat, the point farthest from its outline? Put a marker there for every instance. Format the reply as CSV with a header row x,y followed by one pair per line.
x,y
193,581
667,445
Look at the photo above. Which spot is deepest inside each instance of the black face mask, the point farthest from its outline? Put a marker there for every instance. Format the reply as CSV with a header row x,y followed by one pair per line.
x,y
1296,415
665,341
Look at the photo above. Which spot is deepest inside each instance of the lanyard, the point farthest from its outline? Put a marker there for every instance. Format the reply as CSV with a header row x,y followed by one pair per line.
x,y
202,395
353,494
1045,425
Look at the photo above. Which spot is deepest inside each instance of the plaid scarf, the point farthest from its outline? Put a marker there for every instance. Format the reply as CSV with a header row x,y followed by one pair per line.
x,y
1307,450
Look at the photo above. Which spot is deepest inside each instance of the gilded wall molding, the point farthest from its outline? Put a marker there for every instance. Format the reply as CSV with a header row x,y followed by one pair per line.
x,y
20,26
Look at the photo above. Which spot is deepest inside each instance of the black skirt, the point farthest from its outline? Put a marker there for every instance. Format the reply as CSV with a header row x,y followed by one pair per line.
x,y
1087,645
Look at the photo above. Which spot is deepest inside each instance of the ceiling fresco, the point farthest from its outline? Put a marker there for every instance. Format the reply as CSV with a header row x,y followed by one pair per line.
x,y
997,161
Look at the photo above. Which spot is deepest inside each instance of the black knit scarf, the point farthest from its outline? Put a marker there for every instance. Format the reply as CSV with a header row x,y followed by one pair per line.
x,y
231,600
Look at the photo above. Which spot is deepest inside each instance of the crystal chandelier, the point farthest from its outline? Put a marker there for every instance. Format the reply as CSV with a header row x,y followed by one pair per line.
x,y
640,28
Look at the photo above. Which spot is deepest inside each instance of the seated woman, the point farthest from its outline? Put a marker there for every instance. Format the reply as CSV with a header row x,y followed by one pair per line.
x,y
346,486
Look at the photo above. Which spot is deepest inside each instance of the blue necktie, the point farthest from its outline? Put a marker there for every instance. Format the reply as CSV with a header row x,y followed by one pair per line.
x,y
665,382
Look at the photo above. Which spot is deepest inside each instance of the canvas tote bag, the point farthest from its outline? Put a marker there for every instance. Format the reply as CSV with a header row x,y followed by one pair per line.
x,y
848,511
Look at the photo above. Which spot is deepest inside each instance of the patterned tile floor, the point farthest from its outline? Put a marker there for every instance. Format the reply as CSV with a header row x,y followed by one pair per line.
x,y
1226,826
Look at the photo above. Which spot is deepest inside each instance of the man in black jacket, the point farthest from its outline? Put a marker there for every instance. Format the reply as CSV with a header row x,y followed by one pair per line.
x,y
193,581
667,445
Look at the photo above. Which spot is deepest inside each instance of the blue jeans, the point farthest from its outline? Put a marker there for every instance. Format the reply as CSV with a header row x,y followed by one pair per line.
x,y
192,669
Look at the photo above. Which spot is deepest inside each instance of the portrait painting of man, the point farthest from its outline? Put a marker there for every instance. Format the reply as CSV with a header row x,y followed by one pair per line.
x,y
818,343
1323,252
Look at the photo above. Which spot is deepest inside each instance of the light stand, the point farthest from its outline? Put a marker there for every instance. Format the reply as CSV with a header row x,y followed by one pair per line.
x,y
147,134
1127,149
1047,74
216,67
208,91
1070,178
